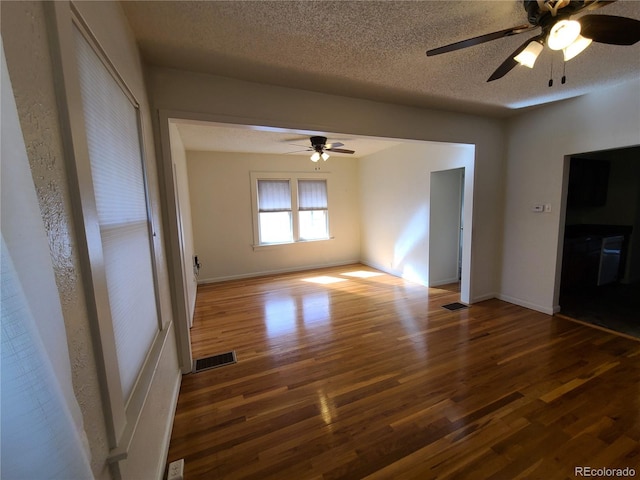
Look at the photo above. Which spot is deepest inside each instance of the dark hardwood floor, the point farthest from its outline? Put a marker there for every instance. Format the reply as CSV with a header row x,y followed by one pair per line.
x,y
614,307
347,375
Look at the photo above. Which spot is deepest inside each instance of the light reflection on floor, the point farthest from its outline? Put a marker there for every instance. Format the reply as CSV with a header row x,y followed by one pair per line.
x,y
280,315
324,280
287,314
362,274
315,308
284,315
327,409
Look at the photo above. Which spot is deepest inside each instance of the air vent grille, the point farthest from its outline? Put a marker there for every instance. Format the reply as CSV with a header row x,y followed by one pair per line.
x,y
214,361
455,306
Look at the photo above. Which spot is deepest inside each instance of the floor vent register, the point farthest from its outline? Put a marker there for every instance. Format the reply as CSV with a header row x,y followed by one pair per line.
x,y
455,306
214,361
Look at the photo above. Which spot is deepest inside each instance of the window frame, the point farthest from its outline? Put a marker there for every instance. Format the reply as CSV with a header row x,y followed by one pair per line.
x,y
312,210
292,178
261,211
121,412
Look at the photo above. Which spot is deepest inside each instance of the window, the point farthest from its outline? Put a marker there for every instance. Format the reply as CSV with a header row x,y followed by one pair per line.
x,y
312,209
119,185
274,206
103,127
278,197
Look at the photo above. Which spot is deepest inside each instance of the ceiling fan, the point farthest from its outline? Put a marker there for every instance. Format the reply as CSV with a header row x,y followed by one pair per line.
x,y
559,32
320,147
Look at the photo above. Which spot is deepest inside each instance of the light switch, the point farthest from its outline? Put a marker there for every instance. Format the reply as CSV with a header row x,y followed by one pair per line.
x,y
537,208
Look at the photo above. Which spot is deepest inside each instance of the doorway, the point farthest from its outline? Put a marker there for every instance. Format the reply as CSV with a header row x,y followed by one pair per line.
x,y
446,226
600,277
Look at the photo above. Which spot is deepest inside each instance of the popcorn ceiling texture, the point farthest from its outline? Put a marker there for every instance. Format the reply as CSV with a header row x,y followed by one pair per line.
x,y
374,49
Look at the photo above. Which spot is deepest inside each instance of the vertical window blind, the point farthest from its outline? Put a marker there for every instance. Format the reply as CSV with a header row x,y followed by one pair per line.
x,y
111,122
274,211
274,196
312,194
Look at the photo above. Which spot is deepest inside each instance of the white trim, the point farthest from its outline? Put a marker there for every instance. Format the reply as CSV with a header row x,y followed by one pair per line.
x,y
169,199
206,281
267,246
391,271
482,298
85,217
526,304
169,426
446,281
121,415
293,177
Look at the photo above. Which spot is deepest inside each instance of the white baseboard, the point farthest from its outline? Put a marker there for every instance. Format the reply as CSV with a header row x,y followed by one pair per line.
x,y
482,298
168,428
169,425
382,268
446,281
529,305
262,273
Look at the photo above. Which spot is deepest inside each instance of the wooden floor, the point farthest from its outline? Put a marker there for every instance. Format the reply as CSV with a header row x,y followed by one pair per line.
x,y
347,373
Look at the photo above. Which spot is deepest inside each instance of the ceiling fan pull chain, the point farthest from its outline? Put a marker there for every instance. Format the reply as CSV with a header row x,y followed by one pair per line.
x,y
551,75
564,77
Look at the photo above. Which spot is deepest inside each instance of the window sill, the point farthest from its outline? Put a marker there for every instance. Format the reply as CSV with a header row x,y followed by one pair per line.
x,y
268,246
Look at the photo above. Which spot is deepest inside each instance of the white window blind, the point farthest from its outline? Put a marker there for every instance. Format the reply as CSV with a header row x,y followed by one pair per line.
x,y
111,122
274,195
274,211
312,210
312,194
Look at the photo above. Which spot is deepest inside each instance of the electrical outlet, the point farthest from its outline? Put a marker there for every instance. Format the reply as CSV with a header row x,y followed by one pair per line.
x,y
176,470
547,208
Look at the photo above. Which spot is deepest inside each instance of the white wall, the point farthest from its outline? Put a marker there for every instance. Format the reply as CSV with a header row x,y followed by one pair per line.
x,y
396,190
223,223
181,94
27,47
26,44
179,158
444,226
36,389
538,142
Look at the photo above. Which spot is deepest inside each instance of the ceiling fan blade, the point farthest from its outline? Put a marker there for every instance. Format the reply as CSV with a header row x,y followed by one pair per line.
x,y
299,151
510,63
610,29
481,39
333,145
599,4
339,150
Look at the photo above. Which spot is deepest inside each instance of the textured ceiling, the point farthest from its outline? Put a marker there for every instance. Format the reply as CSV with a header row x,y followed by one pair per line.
x,y
375,49
205,136
365,49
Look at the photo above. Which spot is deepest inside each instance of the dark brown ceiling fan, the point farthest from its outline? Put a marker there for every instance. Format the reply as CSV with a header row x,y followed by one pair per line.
x,y
319,147
559,32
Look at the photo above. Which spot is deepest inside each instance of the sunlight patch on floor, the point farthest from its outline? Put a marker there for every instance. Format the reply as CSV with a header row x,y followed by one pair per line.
x,y
362,274
324,280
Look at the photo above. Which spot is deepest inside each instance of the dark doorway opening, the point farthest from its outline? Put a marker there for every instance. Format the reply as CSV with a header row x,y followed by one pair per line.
x,y
601,256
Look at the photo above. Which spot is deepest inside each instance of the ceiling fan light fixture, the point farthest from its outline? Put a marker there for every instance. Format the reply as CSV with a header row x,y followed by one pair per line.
x,y
576,47
324,156
563,34
315,156
528,56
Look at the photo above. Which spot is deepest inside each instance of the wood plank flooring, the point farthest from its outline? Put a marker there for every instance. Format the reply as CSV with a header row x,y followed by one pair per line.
x,y
347,373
